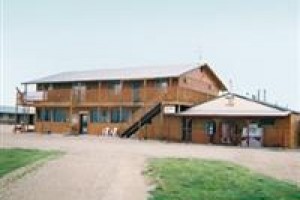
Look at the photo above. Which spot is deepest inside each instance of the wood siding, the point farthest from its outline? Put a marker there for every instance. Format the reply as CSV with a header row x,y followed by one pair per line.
x,y
199,80
193,87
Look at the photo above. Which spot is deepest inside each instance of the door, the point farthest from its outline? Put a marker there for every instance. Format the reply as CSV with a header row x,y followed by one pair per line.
x,y
136,91
79,90
83,123
229,133
187,126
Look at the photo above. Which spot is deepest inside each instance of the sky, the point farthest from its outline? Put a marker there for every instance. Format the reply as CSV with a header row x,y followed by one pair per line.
x,y
253,43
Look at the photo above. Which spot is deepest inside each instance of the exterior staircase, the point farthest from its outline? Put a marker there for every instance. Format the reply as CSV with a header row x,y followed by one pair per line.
x,y
141,118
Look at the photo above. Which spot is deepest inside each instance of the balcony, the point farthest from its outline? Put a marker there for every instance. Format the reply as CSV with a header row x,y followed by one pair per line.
x,y
106,97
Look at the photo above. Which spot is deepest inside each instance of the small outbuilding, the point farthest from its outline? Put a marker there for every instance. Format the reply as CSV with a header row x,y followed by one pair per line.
x,y
232,119
19,115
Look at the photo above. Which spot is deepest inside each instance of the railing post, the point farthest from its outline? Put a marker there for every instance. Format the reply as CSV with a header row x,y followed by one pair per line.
x,y
99,91
145,91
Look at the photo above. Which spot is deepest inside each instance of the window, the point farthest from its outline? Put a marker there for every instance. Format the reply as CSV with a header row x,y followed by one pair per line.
x,y
136,91
92,85
94,115
50,87
115,87
161,84
99,115
125,114
79,91
210,127
115,115
44,115
59,115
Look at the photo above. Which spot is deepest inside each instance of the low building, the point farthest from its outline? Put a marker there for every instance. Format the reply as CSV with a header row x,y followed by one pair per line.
x,y
232,119
11,115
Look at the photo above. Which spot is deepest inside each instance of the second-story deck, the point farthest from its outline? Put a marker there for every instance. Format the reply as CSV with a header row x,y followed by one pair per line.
x,y
105,97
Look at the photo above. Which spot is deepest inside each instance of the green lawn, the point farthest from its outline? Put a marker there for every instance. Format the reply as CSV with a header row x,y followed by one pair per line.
x,y
11,159
191,179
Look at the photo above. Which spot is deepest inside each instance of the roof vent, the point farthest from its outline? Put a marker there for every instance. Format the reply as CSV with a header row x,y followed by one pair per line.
x,y
230,99
230,96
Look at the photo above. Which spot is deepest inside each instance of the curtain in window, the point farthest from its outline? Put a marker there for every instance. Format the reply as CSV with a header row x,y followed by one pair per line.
x,y
94,115
115,115
125,114
46,115
99,115
59,115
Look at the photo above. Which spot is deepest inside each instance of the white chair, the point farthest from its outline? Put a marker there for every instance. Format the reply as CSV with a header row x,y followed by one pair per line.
x,y
105,131
114,132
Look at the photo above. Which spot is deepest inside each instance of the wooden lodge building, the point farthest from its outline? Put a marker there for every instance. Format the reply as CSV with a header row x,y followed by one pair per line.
x,y
142,102
129,99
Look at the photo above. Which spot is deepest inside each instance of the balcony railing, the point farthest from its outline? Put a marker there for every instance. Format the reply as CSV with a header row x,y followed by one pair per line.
x,y
126,95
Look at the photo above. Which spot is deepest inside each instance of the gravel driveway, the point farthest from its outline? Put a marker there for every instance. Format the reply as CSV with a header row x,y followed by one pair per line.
x,y
111,168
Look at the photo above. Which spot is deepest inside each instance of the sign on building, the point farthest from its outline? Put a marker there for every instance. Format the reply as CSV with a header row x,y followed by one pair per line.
x,y
169,109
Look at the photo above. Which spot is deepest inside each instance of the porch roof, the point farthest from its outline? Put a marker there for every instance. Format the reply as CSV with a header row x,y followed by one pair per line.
x,y
233,105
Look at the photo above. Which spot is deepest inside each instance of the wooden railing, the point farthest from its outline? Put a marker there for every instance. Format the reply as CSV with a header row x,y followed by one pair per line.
x,y
58,95
147,95
153,100
126,95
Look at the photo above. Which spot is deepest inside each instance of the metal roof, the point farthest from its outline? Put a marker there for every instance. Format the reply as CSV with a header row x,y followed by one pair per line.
x,y
232,105
12,110
136,73
133,73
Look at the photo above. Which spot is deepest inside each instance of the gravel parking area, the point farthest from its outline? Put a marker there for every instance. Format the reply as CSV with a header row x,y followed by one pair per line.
x,y
111,168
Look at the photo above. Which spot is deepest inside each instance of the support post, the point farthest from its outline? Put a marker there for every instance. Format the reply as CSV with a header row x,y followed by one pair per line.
x,y
248,133
121,100
16,110
145,90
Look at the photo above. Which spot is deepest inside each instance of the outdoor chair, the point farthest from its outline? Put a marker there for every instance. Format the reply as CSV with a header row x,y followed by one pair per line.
x,y
114,132
105,131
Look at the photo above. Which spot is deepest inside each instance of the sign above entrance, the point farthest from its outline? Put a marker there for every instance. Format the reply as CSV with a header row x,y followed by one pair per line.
x,y
169,109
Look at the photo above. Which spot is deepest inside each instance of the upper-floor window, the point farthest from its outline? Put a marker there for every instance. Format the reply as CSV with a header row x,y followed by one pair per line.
x,y
115,87
161,84
92,85
136,86
50,86
79,90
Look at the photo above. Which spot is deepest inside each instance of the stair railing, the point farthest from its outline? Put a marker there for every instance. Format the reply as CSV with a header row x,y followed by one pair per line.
x,y
144,110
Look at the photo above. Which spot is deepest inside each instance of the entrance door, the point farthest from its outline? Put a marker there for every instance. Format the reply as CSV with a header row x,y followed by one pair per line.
x,y
229,133
187,129
83,123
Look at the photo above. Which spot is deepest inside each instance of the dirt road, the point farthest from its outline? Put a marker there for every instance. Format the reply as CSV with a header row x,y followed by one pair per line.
x,y
111,168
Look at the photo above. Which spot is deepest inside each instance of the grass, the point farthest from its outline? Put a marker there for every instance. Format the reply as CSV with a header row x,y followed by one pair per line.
x,y
12,159
191,179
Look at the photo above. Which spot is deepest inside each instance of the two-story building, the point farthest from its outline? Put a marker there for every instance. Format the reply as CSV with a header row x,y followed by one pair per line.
x,y
132,100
